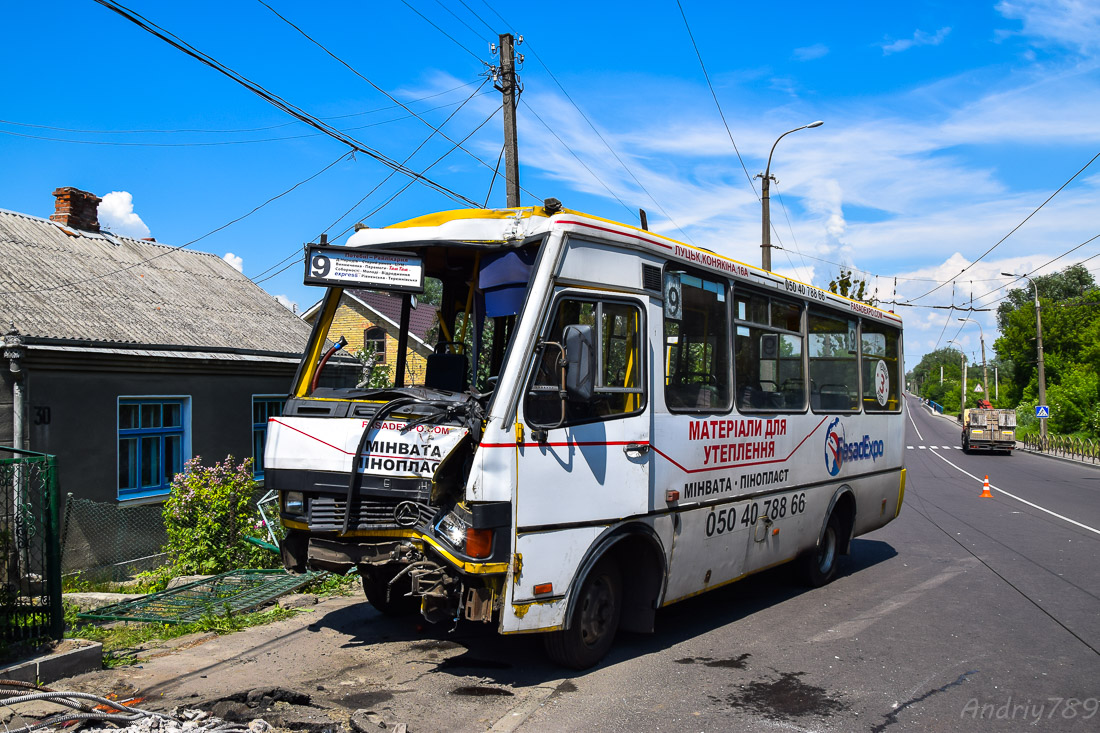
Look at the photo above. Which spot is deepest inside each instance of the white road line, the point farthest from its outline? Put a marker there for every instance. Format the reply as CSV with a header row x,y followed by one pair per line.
x,y
1024,501
922,447
948,447
910,413
909,447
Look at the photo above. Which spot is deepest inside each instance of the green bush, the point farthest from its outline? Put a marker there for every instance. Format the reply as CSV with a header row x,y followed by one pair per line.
x,y
207,517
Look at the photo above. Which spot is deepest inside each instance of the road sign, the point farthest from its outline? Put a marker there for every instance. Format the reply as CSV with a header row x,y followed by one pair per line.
x,y
978,388
1042,411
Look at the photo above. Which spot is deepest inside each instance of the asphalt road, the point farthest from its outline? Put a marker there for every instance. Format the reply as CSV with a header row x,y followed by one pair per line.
x,y
964,614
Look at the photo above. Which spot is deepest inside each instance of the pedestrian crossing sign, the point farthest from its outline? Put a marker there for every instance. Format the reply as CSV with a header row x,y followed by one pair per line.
x,y
1042,411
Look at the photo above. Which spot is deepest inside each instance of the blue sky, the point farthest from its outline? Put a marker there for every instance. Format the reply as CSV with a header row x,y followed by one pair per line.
x,y
946,124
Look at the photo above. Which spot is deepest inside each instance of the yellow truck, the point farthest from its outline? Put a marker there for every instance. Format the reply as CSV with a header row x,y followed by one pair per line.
x,y
987,428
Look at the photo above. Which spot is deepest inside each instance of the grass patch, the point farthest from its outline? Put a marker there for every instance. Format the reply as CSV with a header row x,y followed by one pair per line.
x,y
122,642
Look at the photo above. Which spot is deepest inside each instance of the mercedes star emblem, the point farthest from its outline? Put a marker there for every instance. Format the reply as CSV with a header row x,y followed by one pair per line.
x,y
406,514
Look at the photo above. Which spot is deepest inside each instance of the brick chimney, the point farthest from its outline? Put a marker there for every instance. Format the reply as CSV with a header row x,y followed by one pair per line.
x,y
76,209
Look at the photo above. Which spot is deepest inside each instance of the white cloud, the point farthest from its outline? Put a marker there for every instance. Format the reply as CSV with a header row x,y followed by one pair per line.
x,y
287,303
1068,23
809,53
237,263
116,214
920,38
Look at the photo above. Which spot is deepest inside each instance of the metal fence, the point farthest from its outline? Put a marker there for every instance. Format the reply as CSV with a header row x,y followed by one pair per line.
x,y
1065,446
106,542
30,554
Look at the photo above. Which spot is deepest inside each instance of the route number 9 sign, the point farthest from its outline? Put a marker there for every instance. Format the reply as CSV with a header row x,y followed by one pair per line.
x,y
330,266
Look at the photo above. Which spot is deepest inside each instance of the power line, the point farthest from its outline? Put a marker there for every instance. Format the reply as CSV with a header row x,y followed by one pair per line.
x,y
170,250
406,160
1002,239
1040,267
448,35
274,99
574,154
460,20
350,68
713,94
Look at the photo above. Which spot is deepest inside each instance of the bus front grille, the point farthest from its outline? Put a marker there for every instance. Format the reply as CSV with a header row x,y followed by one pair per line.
x,y
326,513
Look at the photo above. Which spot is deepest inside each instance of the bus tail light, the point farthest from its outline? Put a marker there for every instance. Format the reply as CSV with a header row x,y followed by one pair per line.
x,y
479,542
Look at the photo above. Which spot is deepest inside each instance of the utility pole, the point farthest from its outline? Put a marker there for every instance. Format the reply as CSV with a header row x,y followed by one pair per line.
x,y
510,89
1039,349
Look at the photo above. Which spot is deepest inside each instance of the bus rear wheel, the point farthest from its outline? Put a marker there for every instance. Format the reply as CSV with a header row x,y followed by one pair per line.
x,y
594,620
820,564
376,583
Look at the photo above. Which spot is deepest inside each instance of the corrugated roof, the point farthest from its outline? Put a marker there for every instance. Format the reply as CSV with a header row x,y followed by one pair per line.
x,y
130,291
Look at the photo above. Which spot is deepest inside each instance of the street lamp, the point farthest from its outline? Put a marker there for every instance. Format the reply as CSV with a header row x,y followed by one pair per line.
x,y
1039,348
765,198
985,370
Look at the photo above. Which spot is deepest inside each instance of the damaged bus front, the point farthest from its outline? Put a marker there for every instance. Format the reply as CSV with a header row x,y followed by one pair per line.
x,y
374,454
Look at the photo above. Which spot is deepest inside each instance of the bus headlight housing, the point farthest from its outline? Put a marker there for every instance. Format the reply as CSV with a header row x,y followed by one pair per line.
x,y
455,527
294,502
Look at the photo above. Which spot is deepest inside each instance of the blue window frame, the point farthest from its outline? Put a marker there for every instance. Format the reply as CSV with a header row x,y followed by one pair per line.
x,y
152,438
263,407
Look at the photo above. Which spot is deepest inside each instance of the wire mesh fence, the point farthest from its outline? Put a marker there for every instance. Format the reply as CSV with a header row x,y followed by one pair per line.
x,y
30,573
107,542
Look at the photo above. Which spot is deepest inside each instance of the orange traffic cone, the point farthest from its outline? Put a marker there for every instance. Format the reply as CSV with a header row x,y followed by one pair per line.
x,y
985,489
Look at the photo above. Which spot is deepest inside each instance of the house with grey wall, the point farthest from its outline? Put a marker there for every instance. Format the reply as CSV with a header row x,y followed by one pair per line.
x,y
127,357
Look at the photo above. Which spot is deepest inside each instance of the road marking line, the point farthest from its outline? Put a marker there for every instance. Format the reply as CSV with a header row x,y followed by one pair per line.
x,y
910,413
848,629
922,447
948,447
1024,501
909,447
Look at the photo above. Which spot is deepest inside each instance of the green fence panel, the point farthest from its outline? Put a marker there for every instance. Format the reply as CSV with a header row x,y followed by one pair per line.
x,y
30,548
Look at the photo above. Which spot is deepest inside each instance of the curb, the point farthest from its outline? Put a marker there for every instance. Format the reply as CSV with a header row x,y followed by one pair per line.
x,y
86,657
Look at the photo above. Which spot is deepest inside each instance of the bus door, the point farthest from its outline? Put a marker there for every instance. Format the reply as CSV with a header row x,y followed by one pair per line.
x,y
585,460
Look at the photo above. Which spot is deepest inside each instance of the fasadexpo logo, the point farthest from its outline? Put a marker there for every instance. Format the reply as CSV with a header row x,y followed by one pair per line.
x,y
838,451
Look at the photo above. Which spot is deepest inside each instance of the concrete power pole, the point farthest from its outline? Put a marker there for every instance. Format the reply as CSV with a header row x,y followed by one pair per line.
x,y
509,88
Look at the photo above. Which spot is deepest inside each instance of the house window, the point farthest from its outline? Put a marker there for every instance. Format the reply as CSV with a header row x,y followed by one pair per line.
x,y
374,342
152,438
263,407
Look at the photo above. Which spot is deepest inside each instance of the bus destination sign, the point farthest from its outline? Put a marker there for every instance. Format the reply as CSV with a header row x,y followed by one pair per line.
x,y
355,268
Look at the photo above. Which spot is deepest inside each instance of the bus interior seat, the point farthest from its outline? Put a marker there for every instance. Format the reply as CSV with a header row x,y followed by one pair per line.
x,y
691,395
446,371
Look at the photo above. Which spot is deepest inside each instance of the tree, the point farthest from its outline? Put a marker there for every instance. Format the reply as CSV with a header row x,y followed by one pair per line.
x,y
926,374
854,288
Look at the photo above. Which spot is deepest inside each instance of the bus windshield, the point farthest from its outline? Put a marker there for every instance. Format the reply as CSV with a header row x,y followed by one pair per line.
x,y
456,332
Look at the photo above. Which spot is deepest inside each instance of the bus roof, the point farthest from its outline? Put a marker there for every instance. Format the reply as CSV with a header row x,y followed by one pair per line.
x,y
504,227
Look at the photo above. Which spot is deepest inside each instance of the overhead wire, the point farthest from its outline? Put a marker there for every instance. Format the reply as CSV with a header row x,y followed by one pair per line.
x,y
1014,229
177,248
274,99
599,135
460,20
407,158
445,33
715,96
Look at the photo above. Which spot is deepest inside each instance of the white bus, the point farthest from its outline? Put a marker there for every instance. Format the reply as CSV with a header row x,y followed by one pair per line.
x,y
609,422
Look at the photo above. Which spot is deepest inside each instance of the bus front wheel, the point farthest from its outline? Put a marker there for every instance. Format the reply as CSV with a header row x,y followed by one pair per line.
x,y
376,583
820,564
594,620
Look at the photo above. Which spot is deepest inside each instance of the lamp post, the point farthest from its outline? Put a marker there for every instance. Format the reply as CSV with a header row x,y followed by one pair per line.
x,y
1039,349
985,369
765,199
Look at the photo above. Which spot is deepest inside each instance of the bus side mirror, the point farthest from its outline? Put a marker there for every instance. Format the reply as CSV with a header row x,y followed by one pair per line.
x,y
580,362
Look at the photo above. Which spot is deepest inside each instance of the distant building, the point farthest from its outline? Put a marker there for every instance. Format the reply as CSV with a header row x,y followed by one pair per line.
x,y
127,357
370,321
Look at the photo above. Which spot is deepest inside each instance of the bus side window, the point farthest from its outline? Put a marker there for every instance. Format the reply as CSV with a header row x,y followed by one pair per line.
x,y
881,377
697,353
834,362
768,353
620,385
